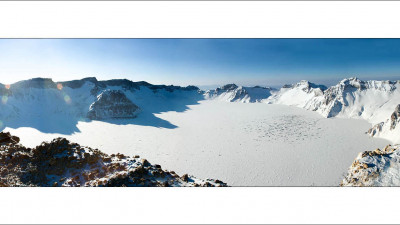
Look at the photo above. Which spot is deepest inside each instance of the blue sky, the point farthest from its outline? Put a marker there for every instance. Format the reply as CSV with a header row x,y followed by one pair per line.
x,y
267,62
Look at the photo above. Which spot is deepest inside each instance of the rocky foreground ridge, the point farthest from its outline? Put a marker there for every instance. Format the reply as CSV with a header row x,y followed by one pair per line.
x,y
380,167
62,163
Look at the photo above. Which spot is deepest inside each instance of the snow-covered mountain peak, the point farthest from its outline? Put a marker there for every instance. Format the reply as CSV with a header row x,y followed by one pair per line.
x,y
350,80
354,82
302,83
308,86
227,87
234,93
350,83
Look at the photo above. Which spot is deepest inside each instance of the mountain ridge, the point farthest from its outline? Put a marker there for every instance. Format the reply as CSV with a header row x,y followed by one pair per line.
x,y
373,100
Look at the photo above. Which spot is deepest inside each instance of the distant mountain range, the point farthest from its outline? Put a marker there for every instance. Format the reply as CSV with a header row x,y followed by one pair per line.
x,y
91,99
374,101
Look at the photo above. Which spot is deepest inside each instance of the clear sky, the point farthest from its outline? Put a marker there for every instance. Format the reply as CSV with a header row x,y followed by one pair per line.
x,y
266,62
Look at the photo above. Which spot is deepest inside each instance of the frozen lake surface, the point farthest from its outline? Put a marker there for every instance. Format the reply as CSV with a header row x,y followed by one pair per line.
x,y
241,144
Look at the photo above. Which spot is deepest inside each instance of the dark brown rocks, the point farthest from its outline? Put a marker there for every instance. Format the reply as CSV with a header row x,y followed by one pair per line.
x,y
7,138
185,177
62,163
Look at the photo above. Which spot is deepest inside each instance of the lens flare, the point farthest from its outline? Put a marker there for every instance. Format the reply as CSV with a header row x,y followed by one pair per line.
x,y
7,86
67,99
1,124
59,86
4,99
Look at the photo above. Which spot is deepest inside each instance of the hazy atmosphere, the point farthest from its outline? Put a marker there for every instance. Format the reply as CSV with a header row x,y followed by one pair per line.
x,y
202,62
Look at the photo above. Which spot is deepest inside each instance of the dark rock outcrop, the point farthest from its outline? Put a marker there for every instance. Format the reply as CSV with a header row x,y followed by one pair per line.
x,y
375,129
389,124
7,138
369,166
394,117
112,104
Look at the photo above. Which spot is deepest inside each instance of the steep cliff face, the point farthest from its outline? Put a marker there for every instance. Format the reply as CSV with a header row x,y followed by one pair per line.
x,y
112,104
62,163
394,118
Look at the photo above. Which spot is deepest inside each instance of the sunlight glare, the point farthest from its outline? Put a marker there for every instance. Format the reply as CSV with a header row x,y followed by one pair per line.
x,y
67,99
4,99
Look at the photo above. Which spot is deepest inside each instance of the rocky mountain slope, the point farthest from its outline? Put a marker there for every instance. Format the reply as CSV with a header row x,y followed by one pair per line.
x,y
112,104
375,168
303,94
61,163
89,98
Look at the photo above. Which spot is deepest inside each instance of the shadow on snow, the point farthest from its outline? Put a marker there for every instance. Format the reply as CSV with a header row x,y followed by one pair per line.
x,y
64,123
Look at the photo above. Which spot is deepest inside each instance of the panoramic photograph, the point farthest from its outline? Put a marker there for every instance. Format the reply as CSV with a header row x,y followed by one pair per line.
x,y
199,112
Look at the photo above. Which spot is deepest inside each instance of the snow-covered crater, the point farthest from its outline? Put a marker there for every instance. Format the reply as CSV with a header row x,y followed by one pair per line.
x,y
39,108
